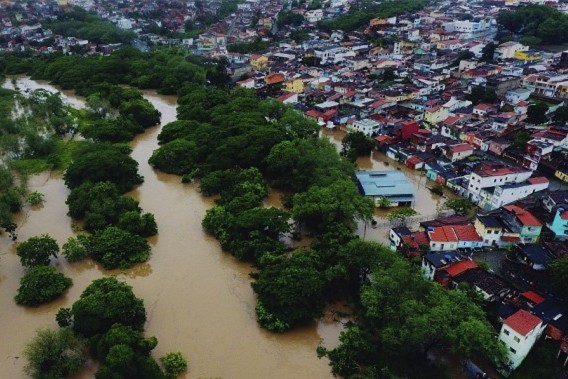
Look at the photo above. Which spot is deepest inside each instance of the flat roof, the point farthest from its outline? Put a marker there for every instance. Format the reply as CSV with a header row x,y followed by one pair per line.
x,y
391,184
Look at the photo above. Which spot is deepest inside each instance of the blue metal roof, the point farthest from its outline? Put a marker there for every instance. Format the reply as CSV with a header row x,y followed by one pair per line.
x,y
390,184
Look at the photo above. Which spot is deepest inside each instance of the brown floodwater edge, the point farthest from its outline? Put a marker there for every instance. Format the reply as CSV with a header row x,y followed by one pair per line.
x,y
198,298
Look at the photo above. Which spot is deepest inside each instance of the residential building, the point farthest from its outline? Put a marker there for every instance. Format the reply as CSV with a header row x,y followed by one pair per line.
x,y
489,228
507,50
491,198
519,333
366,126
433,262
492,174
559,224
451,237
523,222
459,151
258,62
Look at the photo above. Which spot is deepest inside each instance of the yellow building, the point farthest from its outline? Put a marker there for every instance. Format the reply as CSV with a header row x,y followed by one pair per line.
x,y
562,173
295,85
436,114
258,62
527,56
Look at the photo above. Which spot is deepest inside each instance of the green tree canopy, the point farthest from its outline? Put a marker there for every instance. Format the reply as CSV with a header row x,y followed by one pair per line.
x,y
54,354
105,302
103,162
536,113
37,250
289,291
459,205
117,248
340,203
40,285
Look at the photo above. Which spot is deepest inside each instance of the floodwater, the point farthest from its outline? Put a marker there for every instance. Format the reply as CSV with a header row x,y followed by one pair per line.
x,y
426,204
198,298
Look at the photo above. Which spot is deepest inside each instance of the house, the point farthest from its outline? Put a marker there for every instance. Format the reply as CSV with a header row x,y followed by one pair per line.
x,y
247,83
559,224
451,237
489,228
490,174
562,173
490,286
536,150
390,185
436,114
527,225
295,85
396,235
534,256
491,198
275,78
458,152
434,262
366,126
517,95
553,199
288,98
508,49
519,333
258,62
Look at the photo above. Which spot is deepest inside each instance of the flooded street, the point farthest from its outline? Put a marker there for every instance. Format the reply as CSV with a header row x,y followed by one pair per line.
x,y
198,299
427,203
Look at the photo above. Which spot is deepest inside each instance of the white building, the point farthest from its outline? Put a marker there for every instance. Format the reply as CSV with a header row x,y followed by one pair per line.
x,y
508,49
519,333
493,175
367,126
314,16
495,197
517,95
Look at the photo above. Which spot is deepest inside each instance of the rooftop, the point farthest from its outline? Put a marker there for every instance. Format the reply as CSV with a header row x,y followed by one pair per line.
x,y
525,217
522,322
384,183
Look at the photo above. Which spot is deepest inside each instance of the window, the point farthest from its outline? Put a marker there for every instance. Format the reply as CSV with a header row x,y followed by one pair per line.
x,y
433,245
516,339
513,350
506,331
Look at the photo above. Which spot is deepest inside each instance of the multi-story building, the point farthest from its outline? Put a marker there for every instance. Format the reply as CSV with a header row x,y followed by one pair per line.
x,y
519,333
522,222
507,50
493,175
559,224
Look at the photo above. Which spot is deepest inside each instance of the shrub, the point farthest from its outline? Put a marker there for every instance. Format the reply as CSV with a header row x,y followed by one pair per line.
x,y
174,364
41,285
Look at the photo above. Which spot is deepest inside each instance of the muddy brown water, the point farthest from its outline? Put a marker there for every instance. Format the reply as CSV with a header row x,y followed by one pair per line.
x,y
426,204
198,299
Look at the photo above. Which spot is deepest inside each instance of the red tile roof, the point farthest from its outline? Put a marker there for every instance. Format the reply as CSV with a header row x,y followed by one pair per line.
x,y
533,296
443,234
459,267
564,215
522,322
538,180
525,217
461,147
467,233
414,160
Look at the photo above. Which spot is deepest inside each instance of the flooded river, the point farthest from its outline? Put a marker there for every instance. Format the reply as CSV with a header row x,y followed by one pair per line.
x,y
198,298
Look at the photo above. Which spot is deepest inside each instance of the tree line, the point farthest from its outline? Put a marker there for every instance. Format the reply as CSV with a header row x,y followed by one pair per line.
x,y
360,15
239,147
537,24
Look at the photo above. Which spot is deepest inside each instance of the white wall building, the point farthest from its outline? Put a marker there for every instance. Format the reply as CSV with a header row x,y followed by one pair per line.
x,y
508,49
367,126
519,333
492,176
